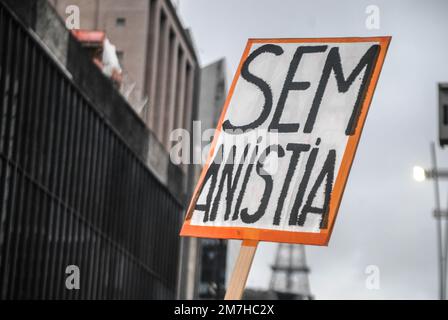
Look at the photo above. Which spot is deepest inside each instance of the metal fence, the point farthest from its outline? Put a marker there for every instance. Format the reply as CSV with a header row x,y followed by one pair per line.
x,y
72,192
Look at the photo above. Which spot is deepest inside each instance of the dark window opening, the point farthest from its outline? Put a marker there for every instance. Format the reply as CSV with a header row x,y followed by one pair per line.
x,y
120,22
445,114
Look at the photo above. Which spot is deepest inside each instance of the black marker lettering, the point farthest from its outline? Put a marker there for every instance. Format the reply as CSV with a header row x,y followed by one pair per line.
x,y
252,218
244,185
232,183
296,149
261,84
290,85
212,173
328,173
333,63
293,218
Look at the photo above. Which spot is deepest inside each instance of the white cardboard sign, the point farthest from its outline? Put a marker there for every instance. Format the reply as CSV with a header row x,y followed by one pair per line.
x,y
286,139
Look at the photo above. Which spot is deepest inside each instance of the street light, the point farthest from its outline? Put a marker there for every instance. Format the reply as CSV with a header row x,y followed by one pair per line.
x,y
419,174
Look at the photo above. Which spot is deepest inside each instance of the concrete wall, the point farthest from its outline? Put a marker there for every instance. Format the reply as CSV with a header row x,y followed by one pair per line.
x,y
58,41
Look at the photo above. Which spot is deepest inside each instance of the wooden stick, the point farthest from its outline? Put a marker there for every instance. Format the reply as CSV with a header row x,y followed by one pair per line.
x,y
241,270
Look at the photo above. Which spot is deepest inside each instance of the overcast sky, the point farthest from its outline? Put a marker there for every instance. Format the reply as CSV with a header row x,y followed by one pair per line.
x,y
385,217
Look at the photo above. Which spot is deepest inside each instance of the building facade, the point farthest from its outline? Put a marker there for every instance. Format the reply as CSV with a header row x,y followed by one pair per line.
x,y
78,193
212,251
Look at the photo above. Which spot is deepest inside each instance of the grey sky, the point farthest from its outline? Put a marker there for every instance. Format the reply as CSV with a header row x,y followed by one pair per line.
x,y
385,217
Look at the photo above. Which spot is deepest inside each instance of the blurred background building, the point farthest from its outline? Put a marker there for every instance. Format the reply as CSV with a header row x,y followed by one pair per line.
x,y
213,256
289,279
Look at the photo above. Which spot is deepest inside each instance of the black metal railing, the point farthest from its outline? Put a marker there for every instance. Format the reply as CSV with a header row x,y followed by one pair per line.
x,y
72,192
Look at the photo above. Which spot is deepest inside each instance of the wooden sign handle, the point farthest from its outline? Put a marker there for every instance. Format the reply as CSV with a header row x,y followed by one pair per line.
x,y
241,270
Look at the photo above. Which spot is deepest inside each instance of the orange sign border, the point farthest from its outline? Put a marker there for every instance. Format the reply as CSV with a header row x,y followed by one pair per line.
x,y
323,237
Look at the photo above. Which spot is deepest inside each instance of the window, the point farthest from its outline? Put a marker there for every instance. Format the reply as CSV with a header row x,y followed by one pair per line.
x,y
445,114
120,22
120,55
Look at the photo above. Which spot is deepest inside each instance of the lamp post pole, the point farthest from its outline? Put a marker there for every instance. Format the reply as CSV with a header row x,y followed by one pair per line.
x,y
435,174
